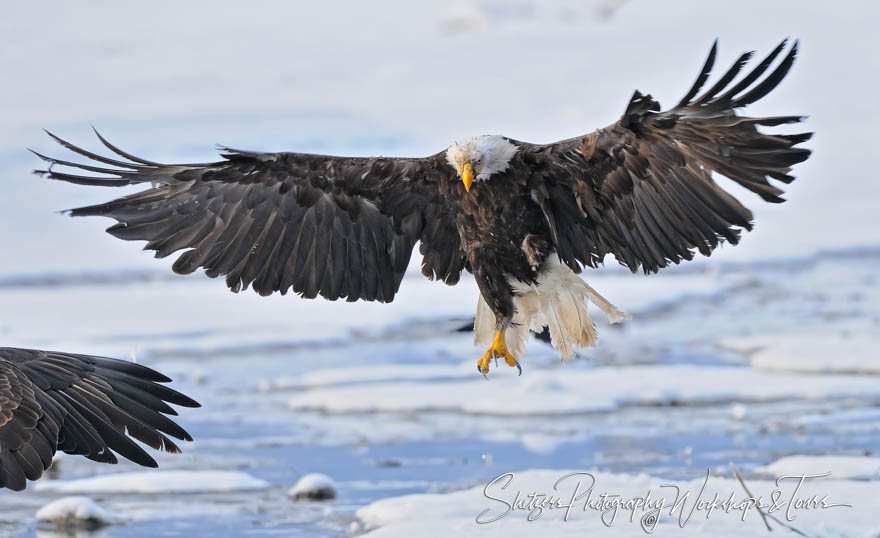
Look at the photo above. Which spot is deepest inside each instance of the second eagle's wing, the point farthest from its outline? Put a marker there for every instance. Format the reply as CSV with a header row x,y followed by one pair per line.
x,y
642,188
80,404
341,227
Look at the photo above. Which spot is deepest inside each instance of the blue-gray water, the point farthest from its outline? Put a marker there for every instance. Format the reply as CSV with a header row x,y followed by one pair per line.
x,y
246,423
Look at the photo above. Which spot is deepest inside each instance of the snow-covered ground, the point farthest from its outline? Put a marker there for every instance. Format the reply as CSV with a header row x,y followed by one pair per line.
x,y
765,355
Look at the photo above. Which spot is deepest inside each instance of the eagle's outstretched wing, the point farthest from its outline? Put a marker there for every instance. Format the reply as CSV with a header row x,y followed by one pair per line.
x,y
82,405
341,227
641,189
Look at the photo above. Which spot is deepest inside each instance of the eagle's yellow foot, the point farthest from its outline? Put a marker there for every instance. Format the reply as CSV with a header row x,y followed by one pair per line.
x,y
496,350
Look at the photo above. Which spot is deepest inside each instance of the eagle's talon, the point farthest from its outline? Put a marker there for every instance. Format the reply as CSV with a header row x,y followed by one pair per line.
x,y
496,351
518,367
483,365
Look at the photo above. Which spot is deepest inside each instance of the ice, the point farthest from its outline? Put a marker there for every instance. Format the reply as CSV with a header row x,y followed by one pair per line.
x,y
738,411
856,467
843,351
159,482
562,390
843,418
456,513
75,511
314,487
172,316
366,374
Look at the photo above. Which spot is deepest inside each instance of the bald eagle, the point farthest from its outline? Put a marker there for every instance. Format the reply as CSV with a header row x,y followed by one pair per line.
x,y
80,404
523,218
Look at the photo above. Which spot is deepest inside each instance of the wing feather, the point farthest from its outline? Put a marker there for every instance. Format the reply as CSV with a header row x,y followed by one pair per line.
x,y
642,188
331,226
702,77
80,404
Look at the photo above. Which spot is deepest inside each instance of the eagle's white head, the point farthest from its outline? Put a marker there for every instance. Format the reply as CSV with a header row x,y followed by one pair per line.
x,y
479,157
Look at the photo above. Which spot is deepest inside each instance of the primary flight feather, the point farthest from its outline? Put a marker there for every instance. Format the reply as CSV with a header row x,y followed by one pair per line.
x,y
80,404
522,218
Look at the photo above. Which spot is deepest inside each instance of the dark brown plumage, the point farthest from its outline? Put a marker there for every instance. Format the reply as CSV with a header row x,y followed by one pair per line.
x,y
83,405
335,226
640,189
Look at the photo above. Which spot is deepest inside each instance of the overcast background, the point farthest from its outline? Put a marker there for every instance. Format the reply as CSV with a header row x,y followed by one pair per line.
x,y
168,80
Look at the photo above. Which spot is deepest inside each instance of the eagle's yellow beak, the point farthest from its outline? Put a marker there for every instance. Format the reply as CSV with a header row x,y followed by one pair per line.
x,y
467,176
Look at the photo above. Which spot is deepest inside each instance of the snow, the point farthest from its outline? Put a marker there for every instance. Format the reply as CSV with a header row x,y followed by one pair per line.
x,y
738,411
313,486
855,467
456,513
366,374
75,511
565,390
847,418
846,352
173,317
159,482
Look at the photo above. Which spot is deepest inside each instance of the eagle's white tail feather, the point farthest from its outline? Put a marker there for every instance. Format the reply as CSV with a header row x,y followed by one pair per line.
x,y
564,328
484,324
582,326
559,301
614,314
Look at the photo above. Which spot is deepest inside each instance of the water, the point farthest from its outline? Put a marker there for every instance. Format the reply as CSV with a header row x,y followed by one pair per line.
x,y
425,444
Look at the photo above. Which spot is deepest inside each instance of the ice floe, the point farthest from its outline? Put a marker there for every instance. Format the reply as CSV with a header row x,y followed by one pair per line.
x,y
159,482
564,390
837,352
75,512
313,487
505,507
858,467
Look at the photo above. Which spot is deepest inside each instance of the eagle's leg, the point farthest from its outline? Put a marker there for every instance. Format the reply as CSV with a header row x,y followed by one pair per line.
x,y
499,296
496,350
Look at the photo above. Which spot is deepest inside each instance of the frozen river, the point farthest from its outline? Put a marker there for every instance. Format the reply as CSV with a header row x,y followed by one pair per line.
x,y
392,405
765,351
